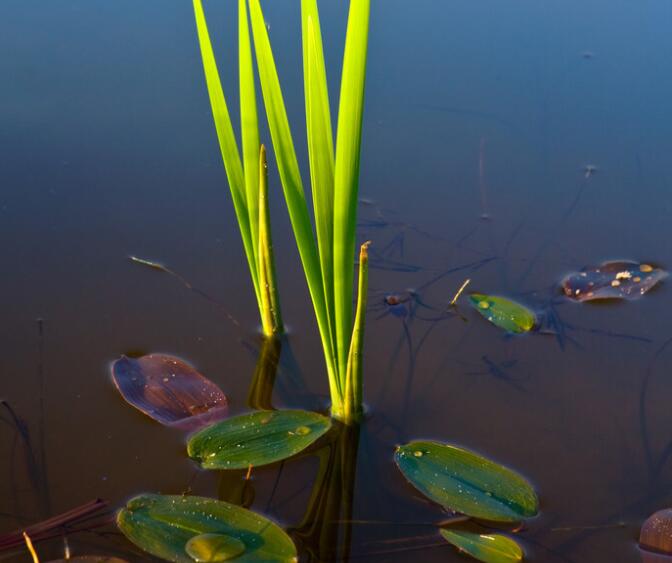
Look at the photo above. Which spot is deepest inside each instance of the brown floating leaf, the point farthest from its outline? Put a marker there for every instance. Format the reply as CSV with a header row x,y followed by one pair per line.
x,y
612,280
656,533
169,390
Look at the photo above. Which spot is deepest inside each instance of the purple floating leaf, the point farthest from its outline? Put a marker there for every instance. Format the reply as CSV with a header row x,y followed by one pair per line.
x,y
169,390
612,280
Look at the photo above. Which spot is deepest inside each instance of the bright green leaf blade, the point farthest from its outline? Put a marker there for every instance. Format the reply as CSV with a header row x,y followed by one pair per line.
x,y
504,313
271,318
320,145
489,548
292,185
249,123
346,174
256,439
465,482
227,141
163,525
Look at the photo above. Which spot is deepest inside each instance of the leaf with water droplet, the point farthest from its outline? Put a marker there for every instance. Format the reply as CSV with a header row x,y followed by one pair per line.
x,y
465,482
656,532
214,547
257,438
622,279
504,313
176,527
489,548
169,390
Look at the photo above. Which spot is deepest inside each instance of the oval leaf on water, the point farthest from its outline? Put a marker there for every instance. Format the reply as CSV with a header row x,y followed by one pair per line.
x,y
257,438
177,528
489,548
656,532
612,280
214,547
465,482
169,390
504,313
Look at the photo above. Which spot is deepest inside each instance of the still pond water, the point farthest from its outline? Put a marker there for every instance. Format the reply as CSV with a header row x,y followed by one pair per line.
x,y
496,108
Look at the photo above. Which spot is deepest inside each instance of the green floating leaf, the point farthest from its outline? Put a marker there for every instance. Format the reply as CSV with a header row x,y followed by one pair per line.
x,y
465,482
490,548
258,438
504,313
183,528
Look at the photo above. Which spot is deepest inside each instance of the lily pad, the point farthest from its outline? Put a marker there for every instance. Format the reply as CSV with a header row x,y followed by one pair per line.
x,y
176,528
257,438
465,482
612,280
169,390
504,313
656,532
489,548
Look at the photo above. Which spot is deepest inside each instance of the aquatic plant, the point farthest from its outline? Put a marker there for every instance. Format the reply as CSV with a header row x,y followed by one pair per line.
x,y
246,177
189,528
327,252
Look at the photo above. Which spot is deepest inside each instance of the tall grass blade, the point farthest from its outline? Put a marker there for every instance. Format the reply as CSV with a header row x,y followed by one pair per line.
x,y
352,403
320,146
292,185
249,124
227,141
271,319
346,178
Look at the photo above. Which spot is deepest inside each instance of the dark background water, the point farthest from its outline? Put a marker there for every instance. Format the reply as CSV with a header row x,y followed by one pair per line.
x,y
107,149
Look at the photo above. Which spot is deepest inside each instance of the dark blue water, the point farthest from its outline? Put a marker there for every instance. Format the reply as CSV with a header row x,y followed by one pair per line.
x,y
107,149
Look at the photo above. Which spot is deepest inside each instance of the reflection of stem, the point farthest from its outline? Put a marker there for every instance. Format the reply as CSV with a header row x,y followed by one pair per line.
x,y
260,395
331,500
654,466
44,485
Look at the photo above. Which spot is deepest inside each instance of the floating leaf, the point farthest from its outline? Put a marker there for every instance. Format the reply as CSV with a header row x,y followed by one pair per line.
x,y
169,390
656,533
465,482
612,280
504,313
175,527
258,438
490,548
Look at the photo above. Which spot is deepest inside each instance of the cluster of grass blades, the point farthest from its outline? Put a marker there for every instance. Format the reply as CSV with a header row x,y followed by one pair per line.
x,y
327,251
246,176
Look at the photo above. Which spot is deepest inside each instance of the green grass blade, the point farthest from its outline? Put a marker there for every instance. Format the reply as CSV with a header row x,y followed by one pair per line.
x,y
249,123
320,146
354,374
227,140
271,319
288,166
346,177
